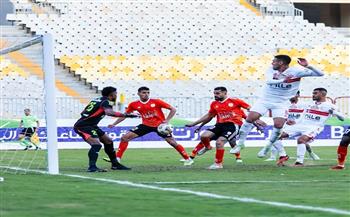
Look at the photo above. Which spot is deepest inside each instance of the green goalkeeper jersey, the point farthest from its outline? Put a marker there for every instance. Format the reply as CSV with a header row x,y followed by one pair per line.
x,y
29,121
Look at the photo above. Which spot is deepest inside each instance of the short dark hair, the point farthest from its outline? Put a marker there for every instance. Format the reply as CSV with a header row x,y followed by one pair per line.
x,y
321,89
284,58
142,89
108,90
220,88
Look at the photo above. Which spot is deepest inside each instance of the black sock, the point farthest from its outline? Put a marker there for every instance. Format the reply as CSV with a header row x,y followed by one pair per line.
x,y
109,149
93,154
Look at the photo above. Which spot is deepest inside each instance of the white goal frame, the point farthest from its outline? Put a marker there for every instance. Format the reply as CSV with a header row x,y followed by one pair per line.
x,y
50,95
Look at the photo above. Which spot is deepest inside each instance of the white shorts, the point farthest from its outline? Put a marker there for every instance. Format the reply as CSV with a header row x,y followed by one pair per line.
x,y
299,130
278,110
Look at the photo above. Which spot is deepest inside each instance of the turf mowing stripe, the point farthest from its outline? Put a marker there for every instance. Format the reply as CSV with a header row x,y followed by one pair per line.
x,y
242,181
199,193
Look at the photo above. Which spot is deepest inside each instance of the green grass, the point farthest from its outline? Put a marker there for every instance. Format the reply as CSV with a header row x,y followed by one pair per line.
x,y
9,123
43,195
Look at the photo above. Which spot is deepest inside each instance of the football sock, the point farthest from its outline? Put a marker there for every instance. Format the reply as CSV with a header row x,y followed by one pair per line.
x,y
301,149
243,132
219,156
342,152
121,149
182,151
196,149
93,154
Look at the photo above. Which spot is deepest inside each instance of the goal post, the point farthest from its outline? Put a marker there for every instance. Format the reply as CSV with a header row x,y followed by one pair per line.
x,y
50,104
49,98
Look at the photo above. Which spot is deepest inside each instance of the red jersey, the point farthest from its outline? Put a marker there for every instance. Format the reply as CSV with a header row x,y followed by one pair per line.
x,y
229,110
150,111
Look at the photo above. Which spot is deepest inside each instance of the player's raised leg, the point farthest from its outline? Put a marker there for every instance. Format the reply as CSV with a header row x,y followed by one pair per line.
x,y
278,123
245,129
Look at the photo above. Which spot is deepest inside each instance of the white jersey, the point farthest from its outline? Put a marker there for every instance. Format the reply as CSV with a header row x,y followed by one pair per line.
x,y
278,91
317,113
295,111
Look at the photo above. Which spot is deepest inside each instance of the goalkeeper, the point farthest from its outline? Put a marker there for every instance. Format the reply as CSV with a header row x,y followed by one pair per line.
x,y
30,126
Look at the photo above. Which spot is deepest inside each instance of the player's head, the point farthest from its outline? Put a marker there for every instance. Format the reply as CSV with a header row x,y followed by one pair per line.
x,y
319,94
281,62
110,93
143,93
220,93
295,98
27,111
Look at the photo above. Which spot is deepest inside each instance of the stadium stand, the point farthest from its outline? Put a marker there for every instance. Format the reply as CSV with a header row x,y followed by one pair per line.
x,y
184,49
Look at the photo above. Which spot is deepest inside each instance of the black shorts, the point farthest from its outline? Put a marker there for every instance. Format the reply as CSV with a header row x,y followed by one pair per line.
x,y
142,130
28,131
226,130
89,131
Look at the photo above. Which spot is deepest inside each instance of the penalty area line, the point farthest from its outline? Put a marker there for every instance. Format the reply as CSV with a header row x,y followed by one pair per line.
x,y
198,193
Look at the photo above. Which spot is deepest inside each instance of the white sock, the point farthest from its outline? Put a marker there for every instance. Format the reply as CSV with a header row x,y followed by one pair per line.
x,y
301,149
280,148
243,132
275,134
274,151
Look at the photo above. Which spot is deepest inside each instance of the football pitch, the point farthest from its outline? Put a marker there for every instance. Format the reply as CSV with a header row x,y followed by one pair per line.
x,y
158,185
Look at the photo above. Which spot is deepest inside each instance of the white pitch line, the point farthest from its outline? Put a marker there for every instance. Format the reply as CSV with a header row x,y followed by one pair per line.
x,y
200,193
4,124
242,182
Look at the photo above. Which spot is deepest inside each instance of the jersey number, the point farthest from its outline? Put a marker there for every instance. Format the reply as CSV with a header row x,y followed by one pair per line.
x,y
90,106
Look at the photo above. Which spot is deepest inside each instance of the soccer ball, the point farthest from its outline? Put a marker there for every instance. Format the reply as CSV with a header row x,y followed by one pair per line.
x,y
165,129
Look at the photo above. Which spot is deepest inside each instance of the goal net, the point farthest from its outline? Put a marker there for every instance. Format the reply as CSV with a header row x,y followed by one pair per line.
x,y
27,104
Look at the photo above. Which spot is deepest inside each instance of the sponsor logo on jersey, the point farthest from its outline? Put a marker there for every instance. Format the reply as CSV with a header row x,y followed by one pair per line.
x,y
281,86
312,117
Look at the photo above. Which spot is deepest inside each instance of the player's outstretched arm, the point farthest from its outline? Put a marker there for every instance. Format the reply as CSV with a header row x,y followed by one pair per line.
x,y
110,112
310,70
203,123
119,120
205,119
337,114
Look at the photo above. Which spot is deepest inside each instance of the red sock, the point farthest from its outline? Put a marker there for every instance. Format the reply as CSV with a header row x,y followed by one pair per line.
x,y
206,142
342,152
219,156
122,148
182,151
238,155
196,149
